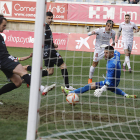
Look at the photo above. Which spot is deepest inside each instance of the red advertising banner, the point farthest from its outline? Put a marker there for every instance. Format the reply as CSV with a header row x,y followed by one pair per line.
x,y
71,12
27,9
61,39
18,38
82,42
26,39
59,10
101,13
72,42
23,9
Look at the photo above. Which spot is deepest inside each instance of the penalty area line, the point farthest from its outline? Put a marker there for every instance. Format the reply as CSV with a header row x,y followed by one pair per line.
x,y
94,128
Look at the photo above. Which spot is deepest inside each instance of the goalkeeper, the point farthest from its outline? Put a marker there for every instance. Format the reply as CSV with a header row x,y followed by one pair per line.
x,y
112,79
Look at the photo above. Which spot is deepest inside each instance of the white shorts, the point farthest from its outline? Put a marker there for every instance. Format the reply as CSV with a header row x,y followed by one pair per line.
x,y
98,55
127,46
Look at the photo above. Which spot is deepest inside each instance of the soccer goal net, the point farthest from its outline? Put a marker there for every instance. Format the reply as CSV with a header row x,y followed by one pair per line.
x,y
110,116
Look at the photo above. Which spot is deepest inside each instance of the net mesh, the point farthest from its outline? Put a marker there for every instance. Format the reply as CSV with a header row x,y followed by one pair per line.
x,y
109,117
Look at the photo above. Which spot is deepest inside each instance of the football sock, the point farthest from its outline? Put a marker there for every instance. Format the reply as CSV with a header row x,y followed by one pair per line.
x,y
124,64
44,73
41,88
27,78
119,92
91,72
29,68
127,60
65,76
8,87
82,89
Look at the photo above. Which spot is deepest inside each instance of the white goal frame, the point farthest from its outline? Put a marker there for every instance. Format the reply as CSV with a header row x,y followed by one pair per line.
x,y
34,101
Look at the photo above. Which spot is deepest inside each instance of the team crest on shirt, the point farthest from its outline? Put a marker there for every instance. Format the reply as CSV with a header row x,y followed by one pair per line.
x,y
3,42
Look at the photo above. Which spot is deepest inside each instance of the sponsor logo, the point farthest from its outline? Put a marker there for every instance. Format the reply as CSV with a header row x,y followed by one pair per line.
x,y
20,39
18,7
58,9
60,41
82,42
110,13
120,45
6,8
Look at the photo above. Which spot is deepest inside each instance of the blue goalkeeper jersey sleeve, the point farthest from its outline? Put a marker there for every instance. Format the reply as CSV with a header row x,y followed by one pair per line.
x,y
113,68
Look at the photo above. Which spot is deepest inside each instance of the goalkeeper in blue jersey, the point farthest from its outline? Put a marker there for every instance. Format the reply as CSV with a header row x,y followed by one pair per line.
x,y
112,79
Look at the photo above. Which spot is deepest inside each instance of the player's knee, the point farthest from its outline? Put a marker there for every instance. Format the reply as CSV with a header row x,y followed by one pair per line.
x,y
94,64
93,86
50,71
18,84
25,67
63,66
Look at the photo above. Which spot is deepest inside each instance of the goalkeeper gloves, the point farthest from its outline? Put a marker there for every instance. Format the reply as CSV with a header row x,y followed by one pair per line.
x,y
98,92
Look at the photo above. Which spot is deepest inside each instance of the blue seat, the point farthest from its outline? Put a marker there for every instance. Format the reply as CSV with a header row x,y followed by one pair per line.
x,y
88,1
79,0
106,2
70,0
124,2
97,1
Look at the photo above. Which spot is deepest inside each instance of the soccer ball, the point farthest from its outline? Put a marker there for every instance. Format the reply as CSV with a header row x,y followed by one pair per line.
x,y
72,98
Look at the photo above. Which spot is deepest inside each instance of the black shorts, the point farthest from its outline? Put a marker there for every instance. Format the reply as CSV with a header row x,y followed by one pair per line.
x,y
8,65
53,57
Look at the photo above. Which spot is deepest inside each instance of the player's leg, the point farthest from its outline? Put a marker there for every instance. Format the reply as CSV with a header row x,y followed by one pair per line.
x,y
44,71
127,50
98,55
64,72
7,87
91,86
127,59
58,60
120,92
91,71
19,70
46,89
11,86
27,68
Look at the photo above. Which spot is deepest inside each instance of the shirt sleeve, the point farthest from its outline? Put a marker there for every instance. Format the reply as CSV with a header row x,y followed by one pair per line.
x,y
113,36
135,27
97,31
120,28
110,73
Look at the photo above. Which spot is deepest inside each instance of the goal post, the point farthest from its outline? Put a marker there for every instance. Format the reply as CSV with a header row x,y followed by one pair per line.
x,y
34,101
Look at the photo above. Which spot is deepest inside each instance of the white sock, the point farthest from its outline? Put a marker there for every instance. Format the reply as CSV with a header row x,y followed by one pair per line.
x,y
127,60
125,95
41,88
91,72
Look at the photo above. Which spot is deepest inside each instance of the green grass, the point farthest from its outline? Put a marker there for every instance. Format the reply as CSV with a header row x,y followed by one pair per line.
x,y
56,116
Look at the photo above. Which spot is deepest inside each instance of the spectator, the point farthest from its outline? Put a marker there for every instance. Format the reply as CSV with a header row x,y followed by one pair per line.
x,y
133,1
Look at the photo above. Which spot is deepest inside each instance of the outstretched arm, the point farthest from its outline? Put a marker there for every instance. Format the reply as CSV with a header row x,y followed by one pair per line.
x,y
25,57
119,33
94,32
118,36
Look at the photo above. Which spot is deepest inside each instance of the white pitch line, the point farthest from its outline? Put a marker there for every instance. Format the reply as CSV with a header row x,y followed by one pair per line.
x,y
94,128
1,103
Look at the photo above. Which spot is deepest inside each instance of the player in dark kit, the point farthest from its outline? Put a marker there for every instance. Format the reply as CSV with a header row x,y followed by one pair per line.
x,y
12,69
51,56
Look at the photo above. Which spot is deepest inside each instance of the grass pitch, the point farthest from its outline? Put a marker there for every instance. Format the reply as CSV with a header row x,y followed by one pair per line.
x,y
109,117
